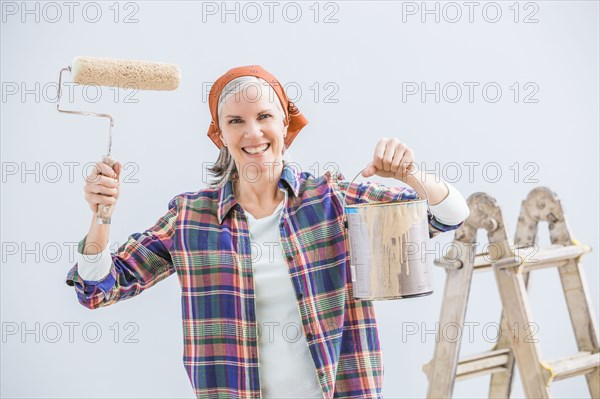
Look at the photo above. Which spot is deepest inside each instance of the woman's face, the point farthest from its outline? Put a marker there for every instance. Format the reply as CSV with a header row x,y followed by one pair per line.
x,y
253,129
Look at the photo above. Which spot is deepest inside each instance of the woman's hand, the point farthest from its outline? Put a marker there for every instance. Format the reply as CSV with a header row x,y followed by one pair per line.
x,y
391,159
394,159
102,185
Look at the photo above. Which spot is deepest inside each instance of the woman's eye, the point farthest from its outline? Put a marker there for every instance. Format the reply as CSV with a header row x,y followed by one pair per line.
x,y
237,119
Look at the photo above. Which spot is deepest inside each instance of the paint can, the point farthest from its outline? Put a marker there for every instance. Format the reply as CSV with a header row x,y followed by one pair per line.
x,y
387,247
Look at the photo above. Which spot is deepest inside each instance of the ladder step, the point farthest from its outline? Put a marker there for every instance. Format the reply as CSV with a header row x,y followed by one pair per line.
x,y
570,366
534,257
482,363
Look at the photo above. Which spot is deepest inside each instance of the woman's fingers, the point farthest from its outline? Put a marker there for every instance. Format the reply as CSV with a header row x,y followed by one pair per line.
x,y
398,158
103,169
378,153
100,189
102,181
118,168
407,161
102,185
391,158
100,169
369,170
95,199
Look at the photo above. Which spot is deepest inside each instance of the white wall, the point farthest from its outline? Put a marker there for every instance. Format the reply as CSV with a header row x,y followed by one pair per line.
x,y
352,73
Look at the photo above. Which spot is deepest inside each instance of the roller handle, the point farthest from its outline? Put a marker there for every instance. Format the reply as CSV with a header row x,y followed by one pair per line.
x,y
104,212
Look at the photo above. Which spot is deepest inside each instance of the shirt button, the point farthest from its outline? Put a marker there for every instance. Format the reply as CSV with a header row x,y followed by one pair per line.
x,y
289,257
321,374
299,296
309,336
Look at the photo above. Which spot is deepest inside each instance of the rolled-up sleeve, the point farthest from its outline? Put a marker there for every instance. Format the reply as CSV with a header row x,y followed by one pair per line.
x,y
367,192
93,267
141,262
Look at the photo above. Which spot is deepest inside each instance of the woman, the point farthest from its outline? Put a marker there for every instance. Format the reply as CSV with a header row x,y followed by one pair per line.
x,y
261,255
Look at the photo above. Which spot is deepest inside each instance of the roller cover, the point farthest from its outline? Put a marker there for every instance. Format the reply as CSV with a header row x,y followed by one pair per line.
x,y
128,74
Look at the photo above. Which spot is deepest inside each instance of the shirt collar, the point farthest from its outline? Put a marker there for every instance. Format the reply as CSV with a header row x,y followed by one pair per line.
x,y
289,181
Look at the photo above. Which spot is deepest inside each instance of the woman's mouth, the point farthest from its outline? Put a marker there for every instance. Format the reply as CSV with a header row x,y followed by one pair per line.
x,y
256,150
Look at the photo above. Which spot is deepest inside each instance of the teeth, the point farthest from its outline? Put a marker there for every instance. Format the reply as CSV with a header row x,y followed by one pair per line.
x,y
256,150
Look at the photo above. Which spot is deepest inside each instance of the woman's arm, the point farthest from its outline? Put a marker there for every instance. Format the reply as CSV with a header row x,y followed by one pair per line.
x,y
142,261
437,191
447,204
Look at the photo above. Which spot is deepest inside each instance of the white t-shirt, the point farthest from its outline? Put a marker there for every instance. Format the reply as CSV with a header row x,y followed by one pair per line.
x,y
286,366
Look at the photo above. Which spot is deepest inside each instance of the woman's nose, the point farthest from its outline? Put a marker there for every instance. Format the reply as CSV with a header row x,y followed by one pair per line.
x,y
253,129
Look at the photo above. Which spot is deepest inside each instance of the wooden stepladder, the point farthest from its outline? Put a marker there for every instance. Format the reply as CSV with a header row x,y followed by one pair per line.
x,y
511,265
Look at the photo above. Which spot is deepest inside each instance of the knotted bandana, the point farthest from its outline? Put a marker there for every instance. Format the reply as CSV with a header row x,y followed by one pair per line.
x,y
294,119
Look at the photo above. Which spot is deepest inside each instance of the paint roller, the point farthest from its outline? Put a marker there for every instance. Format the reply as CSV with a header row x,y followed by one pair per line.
x,y
127,74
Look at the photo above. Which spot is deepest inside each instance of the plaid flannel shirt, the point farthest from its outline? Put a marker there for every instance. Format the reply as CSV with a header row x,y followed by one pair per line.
x,y
204,238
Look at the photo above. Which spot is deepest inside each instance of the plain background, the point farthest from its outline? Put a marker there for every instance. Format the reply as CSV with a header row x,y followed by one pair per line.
x,y
347,65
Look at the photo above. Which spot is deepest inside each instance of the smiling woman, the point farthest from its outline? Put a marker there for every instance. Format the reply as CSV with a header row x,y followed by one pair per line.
x,y
262,257
251,128
253,90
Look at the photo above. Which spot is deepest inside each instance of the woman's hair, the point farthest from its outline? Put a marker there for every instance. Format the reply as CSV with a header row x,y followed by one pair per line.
x,y
224,169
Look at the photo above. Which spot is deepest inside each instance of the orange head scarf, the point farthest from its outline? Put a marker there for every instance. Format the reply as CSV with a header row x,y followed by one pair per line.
x,y
293,118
